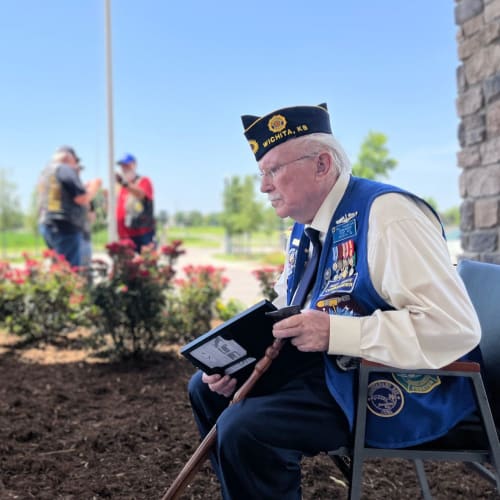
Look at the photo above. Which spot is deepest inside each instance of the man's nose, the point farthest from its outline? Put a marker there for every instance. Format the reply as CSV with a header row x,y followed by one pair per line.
x,y
266,184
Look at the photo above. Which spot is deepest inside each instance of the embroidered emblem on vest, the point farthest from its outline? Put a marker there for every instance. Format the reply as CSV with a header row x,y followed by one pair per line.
x,y
343,286
328,302
346,218
385,398
292,260
413,382
344,231
328,274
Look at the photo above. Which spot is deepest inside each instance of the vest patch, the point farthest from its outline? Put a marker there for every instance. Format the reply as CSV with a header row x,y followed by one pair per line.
x,y
337,287
292,260
385,398
413,382
344,231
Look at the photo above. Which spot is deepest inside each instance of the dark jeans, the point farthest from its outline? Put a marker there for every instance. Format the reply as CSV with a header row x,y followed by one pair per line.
x,y
44,230
67,244
261,440
143,240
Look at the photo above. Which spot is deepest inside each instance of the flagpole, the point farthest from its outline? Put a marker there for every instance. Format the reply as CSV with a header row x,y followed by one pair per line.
x,y
112,229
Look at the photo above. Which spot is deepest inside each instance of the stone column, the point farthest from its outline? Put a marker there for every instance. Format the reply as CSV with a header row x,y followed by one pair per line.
x,y
478,107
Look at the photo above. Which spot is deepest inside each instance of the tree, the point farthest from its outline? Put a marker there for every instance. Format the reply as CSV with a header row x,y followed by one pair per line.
x,y
31,218
194,218
212,219
242,213
451,217
100,209
11,215
270,221
162,218
432,202
373,159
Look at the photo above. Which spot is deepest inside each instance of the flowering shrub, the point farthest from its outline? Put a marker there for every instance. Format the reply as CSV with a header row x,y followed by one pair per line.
x,y
267,278
131,298
43,298
192,305
229,309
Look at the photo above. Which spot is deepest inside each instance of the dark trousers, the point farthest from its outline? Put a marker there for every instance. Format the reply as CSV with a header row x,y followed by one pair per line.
x,y
67,244
44,230
143,240
261,440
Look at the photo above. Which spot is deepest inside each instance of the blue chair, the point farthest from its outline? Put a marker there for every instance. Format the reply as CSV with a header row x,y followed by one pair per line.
x,y
474,441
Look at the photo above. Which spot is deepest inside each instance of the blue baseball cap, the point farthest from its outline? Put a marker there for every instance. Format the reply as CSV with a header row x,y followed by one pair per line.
x,y
126,159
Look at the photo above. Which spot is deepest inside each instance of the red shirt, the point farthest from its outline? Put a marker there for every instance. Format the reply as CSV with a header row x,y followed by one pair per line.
x,y
124,198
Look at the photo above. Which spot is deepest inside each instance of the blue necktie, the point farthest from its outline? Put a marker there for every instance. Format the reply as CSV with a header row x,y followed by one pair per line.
x,y
309,276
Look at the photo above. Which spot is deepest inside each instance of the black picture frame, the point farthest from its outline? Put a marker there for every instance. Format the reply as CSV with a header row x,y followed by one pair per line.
x,y
234,345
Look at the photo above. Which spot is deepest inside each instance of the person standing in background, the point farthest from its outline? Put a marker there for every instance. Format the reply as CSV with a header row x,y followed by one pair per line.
x,y
135,207
65,204
86,243
42,194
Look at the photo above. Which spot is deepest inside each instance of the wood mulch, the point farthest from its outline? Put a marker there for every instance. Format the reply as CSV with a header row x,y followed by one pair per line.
x,y
74,427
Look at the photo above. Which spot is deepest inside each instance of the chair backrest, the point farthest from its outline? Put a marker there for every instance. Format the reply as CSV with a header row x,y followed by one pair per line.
x,y
482,281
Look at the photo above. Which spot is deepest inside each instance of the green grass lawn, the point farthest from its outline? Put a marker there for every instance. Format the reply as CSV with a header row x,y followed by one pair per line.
x,y
260,247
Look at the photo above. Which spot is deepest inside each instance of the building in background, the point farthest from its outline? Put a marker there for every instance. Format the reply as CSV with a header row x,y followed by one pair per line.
x,y
478,107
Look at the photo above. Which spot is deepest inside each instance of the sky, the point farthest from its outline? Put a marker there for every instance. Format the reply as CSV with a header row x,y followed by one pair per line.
x,y
183,72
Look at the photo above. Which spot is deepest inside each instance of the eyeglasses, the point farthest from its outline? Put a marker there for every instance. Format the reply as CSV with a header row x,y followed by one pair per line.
x,y
273,171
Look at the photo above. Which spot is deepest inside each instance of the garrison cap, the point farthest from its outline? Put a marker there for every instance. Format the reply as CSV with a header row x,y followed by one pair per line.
x,y
277,127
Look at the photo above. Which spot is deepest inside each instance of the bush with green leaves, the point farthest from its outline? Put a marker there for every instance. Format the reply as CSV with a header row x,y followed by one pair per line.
x,y
226,310
43,298
192,304
131,298
267,277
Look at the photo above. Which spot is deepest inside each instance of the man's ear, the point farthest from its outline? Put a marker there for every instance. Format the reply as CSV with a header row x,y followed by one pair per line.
x,y
324,164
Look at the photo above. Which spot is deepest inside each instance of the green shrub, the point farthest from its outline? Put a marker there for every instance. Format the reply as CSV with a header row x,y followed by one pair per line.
x,y
267,277
131,298
42,299
192,305
229,309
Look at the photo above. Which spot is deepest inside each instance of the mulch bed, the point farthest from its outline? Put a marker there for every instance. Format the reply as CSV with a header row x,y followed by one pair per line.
x,y
74,428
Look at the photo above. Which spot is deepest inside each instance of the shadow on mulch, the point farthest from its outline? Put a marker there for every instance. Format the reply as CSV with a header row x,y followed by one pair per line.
x,y
94,430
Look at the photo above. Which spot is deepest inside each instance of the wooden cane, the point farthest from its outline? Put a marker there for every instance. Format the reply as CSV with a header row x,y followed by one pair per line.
x,y
201,454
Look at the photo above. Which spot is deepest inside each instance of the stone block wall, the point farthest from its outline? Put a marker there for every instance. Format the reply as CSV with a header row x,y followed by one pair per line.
x,y
478,107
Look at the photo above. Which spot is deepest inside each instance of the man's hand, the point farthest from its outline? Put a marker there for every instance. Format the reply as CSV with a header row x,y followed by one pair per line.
x,y
120,179
308,331
223,385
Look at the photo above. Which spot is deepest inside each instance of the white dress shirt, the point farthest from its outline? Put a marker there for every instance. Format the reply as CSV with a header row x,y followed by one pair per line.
x,y
434,321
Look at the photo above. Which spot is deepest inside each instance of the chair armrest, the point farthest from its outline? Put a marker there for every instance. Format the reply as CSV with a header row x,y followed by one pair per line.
x,y
456,368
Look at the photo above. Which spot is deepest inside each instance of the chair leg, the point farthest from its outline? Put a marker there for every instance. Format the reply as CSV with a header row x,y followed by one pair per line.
x,y
485,473
356,479
489,426
422,479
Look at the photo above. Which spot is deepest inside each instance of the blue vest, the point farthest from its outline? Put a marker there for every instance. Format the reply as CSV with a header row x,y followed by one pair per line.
x,y
404,409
